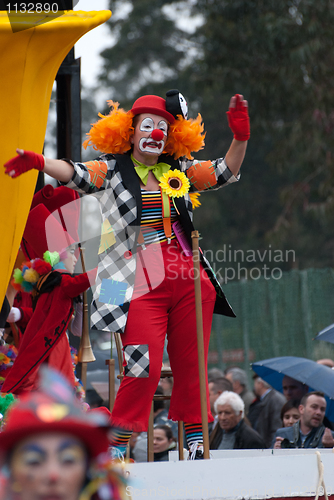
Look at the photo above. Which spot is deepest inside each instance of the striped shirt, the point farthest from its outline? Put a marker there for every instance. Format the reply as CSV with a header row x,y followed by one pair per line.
x,y
151,219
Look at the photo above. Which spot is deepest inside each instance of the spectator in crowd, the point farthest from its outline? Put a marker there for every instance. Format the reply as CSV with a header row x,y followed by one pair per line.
x,y
265,413
309,431
216,388
238,377
290,413
233,433
160,417
327,362
215,373
163,442
293,389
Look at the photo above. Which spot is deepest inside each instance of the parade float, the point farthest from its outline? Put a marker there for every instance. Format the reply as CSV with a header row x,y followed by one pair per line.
x,y
30,57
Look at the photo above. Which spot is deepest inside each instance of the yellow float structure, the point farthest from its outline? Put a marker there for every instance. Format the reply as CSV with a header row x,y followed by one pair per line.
x,y
32,47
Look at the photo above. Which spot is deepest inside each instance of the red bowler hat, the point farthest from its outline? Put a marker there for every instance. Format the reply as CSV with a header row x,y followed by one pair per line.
x,y
44,232
64,204
152,104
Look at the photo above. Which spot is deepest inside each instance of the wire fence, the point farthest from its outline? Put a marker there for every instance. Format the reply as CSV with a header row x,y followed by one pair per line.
x,y
275,317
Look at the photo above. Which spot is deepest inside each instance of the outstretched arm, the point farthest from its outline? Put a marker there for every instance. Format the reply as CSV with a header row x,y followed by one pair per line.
x,y
28,160
238,121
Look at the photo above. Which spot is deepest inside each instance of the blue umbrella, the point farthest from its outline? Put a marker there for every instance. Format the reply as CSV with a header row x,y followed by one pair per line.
x,y
326,334
317,377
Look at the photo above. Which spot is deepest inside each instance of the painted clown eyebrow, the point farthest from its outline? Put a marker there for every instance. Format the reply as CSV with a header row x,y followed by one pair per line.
x,y
147,122
34,448
69,443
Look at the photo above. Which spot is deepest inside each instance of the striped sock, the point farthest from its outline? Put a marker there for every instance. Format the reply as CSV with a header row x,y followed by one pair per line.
x,y
194,434
119,439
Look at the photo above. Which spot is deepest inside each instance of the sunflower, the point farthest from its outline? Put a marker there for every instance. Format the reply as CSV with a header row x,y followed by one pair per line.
x,y
194,199
174,183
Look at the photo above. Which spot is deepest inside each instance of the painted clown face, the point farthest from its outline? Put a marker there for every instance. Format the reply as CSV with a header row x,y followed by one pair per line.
x,y
70,260
149,138
48,467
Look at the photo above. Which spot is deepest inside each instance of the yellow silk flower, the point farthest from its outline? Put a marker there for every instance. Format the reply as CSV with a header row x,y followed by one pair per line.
x,y
174,183
194,199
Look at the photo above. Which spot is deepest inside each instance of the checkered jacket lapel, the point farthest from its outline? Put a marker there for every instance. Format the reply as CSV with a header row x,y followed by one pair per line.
x,y
116,274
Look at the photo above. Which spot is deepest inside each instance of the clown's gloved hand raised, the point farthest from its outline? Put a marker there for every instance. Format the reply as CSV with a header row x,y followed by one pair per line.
x,y
238,118
26,160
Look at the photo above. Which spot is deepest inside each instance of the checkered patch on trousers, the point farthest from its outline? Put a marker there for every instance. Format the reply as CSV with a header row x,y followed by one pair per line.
x,y
137,361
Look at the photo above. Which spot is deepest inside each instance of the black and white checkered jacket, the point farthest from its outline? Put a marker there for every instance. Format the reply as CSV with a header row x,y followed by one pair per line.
x,y
121,203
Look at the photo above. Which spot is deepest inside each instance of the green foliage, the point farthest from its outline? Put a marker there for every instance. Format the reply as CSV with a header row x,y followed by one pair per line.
x,y
280,56
149,50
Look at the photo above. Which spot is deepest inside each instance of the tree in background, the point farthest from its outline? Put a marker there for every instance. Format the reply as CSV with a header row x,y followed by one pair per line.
x,y
280,56
149,53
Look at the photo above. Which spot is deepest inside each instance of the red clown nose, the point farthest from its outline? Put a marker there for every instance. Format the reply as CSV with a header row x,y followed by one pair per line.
x,y
157,135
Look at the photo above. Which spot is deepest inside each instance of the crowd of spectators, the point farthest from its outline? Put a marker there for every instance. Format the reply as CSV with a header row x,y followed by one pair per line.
x,y
245,418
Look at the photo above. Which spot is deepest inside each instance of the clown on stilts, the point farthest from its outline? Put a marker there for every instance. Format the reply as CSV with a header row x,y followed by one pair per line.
x,y
144,286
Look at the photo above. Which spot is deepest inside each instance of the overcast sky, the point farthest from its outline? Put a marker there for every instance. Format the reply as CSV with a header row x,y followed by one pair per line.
x,y
92,43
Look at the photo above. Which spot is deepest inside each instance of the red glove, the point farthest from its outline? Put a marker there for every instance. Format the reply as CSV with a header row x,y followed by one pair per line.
x,y
24,162
238,119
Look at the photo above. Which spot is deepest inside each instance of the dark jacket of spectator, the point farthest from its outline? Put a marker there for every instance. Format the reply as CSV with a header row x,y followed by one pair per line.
x,y
245,438
268,412
292,437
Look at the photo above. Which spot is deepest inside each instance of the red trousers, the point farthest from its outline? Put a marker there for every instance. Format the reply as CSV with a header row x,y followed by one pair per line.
x,y
167,308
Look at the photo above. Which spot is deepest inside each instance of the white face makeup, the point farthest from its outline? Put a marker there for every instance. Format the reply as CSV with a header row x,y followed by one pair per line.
x,y
70,260
145,148
48,467
147,144
147,125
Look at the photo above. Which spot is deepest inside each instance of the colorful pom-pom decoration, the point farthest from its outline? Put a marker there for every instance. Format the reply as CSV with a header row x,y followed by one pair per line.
x,y
8,354
26,278
51,257
27,287
42,267
31,275
6,401
18,277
